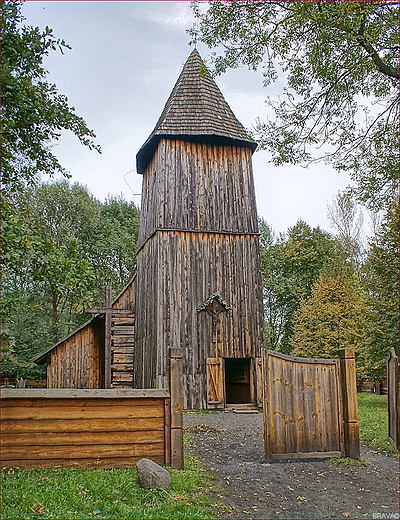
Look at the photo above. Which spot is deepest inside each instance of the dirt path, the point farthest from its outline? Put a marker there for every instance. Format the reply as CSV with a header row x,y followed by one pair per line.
x,y
232,446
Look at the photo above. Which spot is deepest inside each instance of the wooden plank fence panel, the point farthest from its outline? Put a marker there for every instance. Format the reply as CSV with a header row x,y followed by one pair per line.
x,y
302,407
44,433
393,397
96,428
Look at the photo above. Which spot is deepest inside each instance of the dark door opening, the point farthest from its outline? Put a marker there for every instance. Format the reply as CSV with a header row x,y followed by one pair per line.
x,y
237,380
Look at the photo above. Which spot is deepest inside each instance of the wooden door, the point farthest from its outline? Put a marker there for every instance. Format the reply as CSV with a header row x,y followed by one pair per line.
x,y
215,383
302,407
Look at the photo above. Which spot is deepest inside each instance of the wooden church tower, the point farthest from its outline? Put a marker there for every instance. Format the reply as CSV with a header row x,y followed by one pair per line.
x,y
198,282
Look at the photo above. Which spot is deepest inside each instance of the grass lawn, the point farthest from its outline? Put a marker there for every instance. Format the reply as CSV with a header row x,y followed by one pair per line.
x,y
116,494
373,420
111,494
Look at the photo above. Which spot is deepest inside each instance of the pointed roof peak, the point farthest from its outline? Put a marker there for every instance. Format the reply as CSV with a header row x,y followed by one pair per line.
x,y
197,110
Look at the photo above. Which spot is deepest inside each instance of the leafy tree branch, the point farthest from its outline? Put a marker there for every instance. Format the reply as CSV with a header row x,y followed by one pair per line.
x,y
340,61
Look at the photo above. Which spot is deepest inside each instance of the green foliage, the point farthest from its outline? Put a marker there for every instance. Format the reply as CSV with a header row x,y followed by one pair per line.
x,y
340,61
32,111
347,221
61,248
290,266
381,280
114,246
115,493
333,317
320,294
274,284
373,421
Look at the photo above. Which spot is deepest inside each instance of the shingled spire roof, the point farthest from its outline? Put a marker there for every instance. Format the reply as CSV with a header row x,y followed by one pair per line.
x,y
196,109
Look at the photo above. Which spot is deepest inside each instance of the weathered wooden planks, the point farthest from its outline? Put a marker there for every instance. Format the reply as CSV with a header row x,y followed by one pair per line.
x,y
122,343
176,287
198,186
303,413
198,235
78,362
63,428
393,397
96,428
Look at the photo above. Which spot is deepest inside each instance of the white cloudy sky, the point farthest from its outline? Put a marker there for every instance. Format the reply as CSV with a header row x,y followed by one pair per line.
x,y
125,59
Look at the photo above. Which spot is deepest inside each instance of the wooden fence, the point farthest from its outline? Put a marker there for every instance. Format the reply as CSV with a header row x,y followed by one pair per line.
x,y
93,428
393,397
23,383
378,387
310,406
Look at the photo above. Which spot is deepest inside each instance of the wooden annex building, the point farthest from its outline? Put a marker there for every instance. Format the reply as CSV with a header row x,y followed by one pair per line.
x,y
198,280
80,360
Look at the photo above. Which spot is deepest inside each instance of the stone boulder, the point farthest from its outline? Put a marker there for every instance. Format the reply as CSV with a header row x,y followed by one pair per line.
x,y
151,475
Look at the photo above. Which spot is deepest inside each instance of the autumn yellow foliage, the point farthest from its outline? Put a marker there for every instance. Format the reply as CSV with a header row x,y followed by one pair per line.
x,y
331,318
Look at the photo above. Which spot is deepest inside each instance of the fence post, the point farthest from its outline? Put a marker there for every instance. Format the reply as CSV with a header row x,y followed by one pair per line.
x,y
393,397
350,404
176,389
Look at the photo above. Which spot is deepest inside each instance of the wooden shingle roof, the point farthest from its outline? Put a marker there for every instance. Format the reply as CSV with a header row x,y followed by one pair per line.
x,y
196,109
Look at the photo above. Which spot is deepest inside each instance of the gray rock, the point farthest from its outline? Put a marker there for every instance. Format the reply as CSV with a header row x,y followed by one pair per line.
x,y
151,475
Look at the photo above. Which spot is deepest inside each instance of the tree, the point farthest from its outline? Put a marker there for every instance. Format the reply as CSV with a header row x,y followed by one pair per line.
x,y
382,283
32,111
116,242
290,267
347,221
62,247
54,269
336,57
333,317
273,285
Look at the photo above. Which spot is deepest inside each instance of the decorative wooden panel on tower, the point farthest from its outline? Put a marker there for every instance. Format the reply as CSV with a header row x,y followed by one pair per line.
x,y
198,239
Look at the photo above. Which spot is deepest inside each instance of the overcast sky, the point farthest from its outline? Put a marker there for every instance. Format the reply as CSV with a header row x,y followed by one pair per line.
x,y
125,59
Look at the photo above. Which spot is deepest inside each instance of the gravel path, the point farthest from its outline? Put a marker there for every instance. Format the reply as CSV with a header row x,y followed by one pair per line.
x,y
231,445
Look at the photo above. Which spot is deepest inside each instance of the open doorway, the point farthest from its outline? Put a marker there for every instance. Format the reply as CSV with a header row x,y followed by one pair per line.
x,y
237,380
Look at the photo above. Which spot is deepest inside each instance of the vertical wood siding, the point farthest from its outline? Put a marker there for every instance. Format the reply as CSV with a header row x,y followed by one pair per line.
x,y
126,298
78,362
302,407
198,186
198,235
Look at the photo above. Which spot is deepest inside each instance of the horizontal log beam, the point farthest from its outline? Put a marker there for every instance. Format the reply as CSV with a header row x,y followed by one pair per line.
x,y
57,393
103,310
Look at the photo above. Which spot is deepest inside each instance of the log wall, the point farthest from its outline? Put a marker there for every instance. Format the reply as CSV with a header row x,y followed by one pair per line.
x,y
198,235
93,428
122,339
64,428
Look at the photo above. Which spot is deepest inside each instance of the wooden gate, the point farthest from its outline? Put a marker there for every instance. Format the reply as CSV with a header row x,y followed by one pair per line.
x,y
309,407
215,383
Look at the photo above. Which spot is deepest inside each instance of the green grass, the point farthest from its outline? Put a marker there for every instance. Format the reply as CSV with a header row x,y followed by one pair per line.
x,y
346,461
116,494
373,420
107,494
